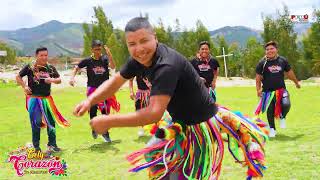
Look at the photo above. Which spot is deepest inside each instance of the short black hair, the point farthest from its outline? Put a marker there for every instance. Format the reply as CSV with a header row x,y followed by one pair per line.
x,y
41,49
138,23
272,43
96,43
204,43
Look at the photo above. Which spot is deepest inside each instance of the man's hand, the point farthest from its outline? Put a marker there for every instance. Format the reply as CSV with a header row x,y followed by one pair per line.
x,y
48,80
132,96
298,85
213,86
72,82
99,124
27,90
108,52
81,108
259,93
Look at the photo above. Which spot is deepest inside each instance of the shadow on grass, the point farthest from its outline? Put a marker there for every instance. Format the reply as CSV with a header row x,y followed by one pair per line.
x,y
283,137
142,139
101,147
59,154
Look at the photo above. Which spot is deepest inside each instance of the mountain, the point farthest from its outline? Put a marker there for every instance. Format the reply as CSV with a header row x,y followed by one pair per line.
x,y
238,34
59,38
67,38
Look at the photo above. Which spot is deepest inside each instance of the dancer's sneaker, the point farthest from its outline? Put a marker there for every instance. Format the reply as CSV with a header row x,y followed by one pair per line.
x,y
94,135
272,133
106,138
282,123
141,132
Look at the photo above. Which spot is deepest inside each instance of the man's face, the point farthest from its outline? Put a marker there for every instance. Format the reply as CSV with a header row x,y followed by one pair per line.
x,y
142,45
204,51
271,51
96,50
42,57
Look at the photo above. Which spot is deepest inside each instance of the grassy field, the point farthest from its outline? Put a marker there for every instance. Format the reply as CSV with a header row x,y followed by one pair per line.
x,y
293,154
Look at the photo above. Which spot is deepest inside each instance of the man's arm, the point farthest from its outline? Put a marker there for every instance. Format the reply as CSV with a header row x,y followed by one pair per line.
x,y
132,94
258,84
105,90
290,74
215,77
74,73
25,88
53,80
151,114
109,54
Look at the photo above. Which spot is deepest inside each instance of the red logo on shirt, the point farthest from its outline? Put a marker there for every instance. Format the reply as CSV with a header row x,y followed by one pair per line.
x,y
274,68
99,70
204,67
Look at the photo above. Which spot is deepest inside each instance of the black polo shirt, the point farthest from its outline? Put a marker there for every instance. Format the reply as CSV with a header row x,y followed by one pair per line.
x,y
36,78
272,72
97,70
205,69
171,74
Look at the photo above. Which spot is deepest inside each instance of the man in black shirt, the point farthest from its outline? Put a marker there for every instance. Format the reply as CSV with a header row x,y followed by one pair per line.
x,y
177,88
40,105
97,72
270,73
207,67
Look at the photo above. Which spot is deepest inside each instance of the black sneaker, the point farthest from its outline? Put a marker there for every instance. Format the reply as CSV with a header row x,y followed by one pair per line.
x,y
53,148
94,135
37,149
106,138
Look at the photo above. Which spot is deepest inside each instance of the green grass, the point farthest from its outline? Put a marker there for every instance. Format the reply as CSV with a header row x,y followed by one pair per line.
x,y
293,154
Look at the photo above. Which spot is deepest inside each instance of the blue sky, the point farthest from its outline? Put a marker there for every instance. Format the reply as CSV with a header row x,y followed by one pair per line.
x,y
213,13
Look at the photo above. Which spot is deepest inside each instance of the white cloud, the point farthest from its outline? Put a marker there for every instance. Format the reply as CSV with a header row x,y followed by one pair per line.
x,y
214,14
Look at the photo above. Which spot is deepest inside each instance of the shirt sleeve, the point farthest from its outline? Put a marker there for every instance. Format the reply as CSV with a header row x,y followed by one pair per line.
x,y
287,66
130,69
259,67
24,71
215,64
83,63
165,80
54,72
194,63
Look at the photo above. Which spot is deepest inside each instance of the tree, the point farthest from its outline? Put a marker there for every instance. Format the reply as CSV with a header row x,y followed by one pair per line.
x,y
102,29
251,56
234,64
11,54
280,29
222,43
311,45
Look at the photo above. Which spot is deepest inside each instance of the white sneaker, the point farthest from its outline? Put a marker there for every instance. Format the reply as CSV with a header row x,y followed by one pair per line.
x,y
283,123
141,132
272,133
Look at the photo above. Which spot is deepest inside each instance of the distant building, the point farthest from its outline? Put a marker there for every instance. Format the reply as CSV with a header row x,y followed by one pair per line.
x,y
3,53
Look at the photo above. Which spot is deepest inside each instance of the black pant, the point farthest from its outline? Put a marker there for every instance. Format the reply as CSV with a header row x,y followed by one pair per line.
x,y
93,113
36,129
285,106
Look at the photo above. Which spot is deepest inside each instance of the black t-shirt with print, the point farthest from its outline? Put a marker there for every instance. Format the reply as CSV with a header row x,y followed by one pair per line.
x,y
36,78
171,74
205,69
142,83
97,70
273,73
